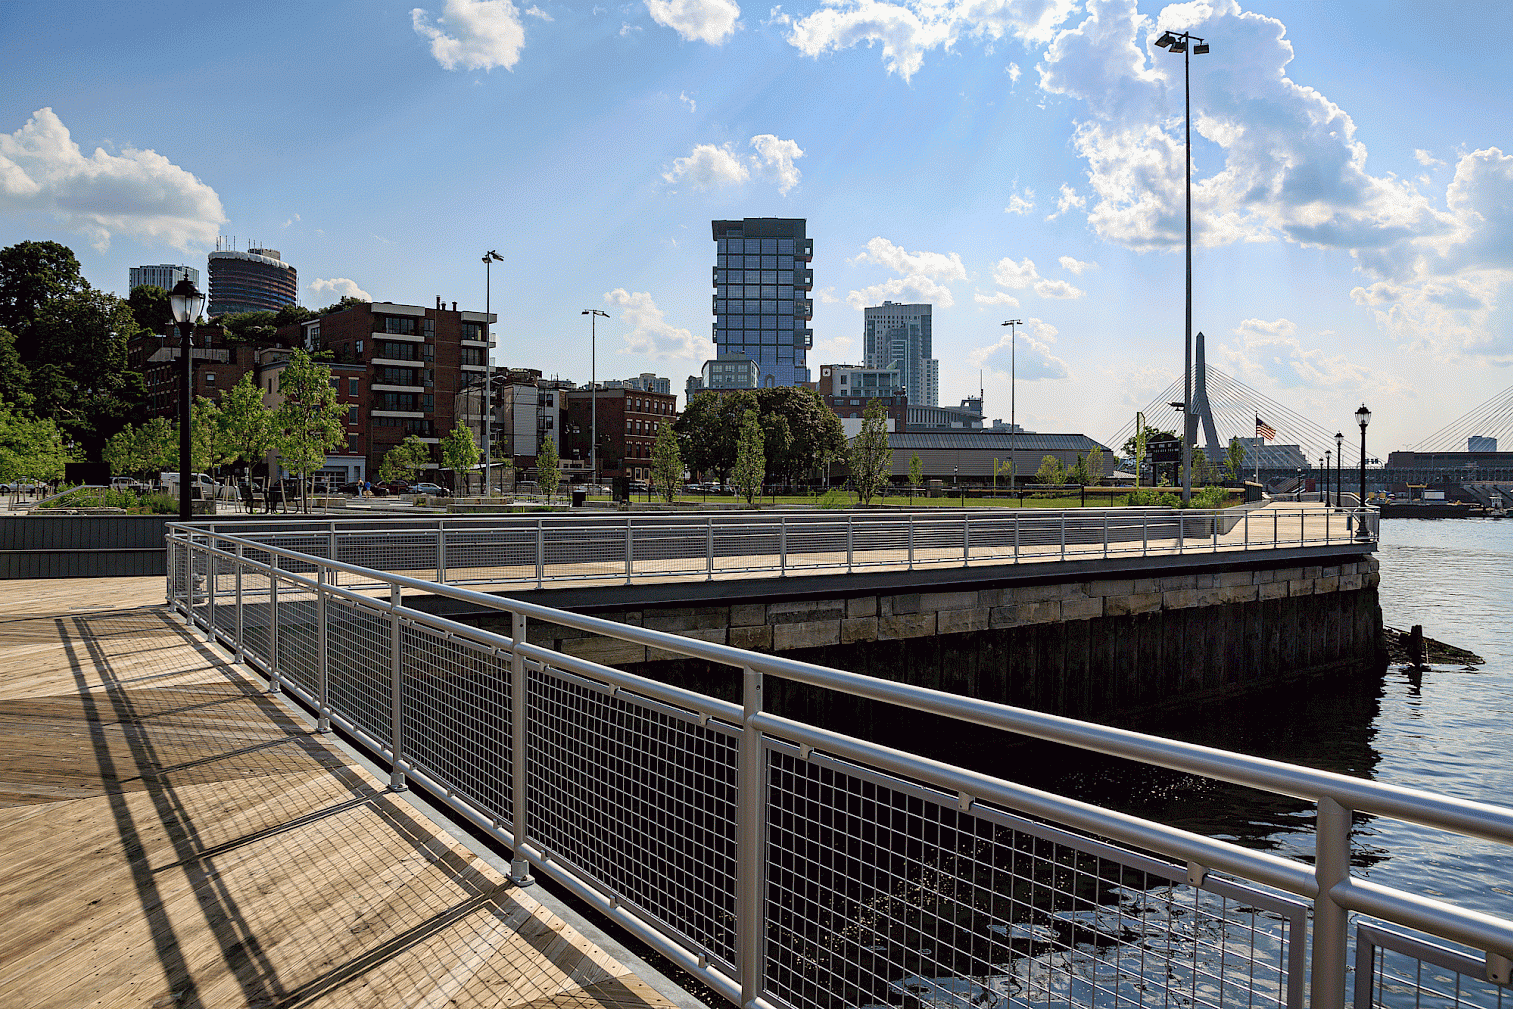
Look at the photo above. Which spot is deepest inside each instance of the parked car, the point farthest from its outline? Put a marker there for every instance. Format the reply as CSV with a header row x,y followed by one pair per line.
x,y
430,490
127,483
391,487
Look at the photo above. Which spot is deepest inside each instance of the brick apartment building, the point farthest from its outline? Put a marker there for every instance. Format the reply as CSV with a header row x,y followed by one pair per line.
x,y
409,363
348,381
628,420
846,389
218,365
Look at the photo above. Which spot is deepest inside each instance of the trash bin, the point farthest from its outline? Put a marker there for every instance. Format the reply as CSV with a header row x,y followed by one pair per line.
x,y
580,495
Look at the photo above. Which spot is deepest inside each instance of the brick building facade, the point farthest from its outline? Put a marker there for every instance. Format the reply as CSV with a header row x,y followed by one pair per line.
x,y
628,420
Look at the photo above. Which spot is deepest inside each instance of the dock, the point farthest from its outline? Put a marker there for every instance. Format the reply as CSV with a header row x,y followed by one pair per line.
x,y
175,836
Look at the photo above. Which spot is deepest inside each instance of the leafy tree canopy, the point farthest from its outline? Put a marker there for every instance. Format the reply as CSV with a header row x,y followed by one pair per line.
x,y
31,275
870,458
150,307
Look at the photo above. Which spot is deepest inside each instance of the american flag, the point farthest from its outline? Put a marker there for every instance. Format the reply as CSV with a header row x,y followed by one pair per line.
x,y
1264,430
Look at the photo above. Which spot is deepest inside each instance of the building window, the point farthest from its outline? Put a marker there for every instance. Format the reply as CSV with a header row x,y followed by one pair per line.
x,y
336,386
402,325
472,331
359,346
210,378
430,326
352,387
352,415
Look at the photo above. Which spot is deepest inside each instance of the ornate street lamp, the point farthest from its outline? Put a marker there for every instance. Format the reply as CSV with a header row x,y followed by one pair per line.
x,y
1363,417
1181,43
186,300
593,392
1339,460
1327,457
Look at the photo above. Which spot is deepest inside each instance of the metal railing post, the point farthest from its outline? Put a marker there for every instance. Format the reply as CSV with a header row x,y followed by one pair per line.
x,y
1330,920
540,553
241,656
1326,527
441,552
210,589
331,551
274,686
850,555
966,539
1145,534
630,551
520,866
751,847
1181,532
1105,535
911,542
1275,532
709,548
1016,537
1063,535
396,697
322,660
1247,529
782,546
187,579
1214,518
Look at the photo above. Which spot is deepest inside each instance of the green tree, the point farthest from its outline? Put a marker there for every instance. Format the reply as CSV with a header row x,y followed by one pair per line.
x,y
870,459
78,369
1051,471
246,424
1078,473
15,377
405,460
666,463
150,307
309,422
1094,466
814,432
548,468
30,448
1139,440
709,429
206,441
1234,457
459,453
916,474
751,458
33,274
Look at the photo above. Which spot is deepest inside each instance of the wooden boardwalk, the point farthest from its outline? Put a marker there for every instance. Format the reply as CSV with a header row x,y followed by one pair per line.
x,y
170,835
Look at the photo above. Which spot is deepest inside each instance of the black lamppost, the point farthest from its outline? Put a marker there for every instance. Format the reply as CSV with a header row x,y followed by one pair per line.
x,y
1181,43
593,391
1327,457
1339,460
185,299
1363,417
489,259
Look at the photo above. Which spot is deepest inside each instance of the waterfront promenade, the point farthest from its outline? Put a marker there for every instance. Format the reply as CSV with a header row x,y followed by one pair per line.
x,y
175,836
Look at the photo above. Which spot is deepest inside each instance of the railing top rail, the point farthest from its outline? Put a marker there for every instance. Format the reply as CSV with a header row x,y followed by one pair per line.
x,y
1465,816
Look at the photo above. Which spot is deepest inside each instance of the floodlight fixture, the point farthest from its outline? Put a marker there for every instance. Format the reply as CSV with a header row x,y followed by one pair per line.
x,y
1165,40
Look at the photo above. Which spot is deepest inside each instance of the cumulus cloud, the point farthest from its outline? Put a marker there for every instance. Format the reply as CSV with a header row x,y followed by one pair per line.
x,y
473,34
651,334
1014,72
627,28
712,167
1068,199
537,12
340,287
711,21
1021,204
136,193
1426,159
692,105
293,219
1289,168
1270,355
996,298
924,274
1032,359
1018,276
906,31
1076,266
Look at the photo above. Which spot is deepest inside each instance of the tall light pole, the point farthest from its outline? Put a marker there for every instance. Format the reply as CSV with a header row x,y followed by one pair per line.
x,y
593,392
1339,460
185,299
1181,43
489,259
1326,476
1013,343
1363,417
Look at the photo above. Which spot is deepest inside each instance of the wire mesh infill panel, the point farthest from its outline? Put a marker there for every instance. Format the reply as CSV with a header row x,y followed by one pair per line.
x,y
1395,970
457,716
298,636
358,673
640,801
881,894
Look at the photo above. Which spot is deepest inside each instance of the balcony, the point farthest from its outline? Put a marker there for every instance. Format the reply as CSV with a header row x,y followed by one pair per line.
x,y
405,337
398,362
404,414
377,387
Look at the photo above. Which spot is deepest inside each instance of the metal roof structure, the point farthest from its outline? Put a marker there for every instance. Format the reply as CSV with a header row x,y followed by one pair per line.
x,y
992,441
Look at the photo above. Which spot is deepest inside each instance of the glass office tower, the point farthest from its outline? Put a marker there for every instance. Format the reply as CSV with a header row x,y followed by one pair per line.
x,y
761,305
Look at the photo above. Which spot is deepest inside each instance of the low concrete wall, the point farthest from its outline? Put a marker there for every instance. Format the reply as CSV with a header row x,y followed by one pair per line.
x,y
1086,647
82,546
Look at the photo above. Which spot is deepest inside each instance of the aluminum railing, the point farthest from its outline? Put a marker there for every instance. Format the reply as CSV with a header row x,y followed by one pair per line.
x,y
525,550
792,867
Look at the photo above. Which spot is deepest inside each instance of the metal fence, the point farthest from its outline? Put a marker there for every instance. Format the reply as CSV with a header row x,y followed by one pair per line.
x,y
524,550
793,867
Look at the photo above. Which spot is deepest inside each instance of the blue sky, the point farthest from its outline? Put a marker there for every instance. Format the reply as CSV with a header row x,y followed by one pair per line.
x,y
1353,187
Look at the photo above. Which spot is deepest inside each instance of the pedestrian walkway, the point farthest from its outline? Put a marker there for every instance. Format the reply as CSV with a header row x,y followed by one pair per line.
x,y
174,836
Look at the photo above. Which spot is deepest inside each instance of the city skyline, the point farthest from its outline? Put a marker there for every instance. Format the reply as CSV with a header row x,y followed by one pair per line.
x,y
1351,183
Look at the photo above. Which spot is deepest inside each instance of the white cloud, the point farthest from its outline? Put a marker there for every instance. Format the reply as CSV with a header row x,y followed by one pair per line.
x,y
537,12
651,334
922,272
136,193
826,295
484,34
776,159
1021,204
627,28
1270,355
908,30
1066,201
292,220
1426,159
1076,266
1014,73
340,287
711,21
1289,167
1032,357
711,167
996,298
1007,273
692,105
708,167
